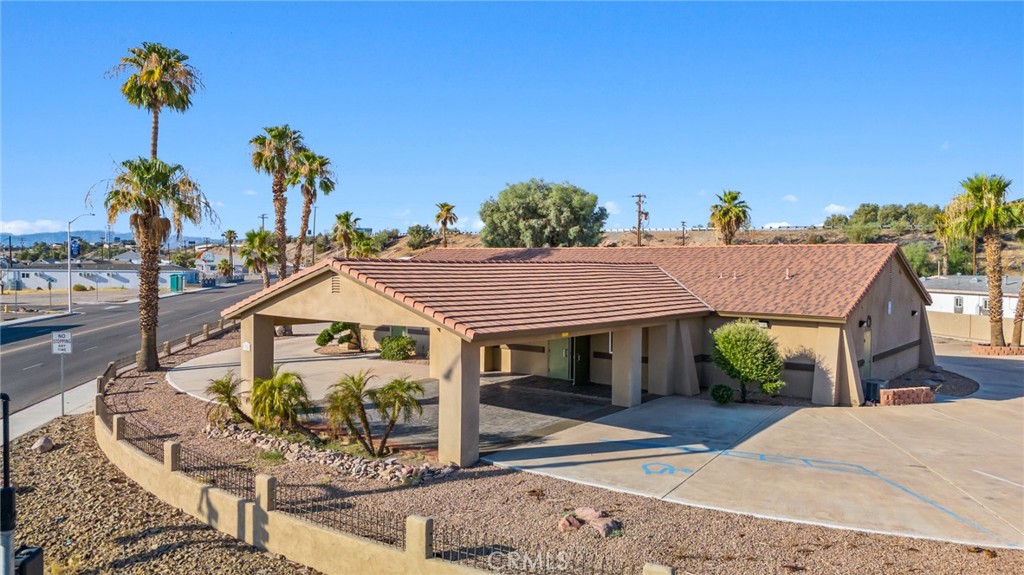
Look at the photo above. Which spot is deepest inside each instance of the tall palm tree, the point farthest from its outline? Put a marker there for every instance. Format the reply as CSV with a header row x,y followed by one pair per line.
x,y
273,152
445,217
225,268
982,210
231,236
257,251
312,173
147,189
345,230
729,215
161,77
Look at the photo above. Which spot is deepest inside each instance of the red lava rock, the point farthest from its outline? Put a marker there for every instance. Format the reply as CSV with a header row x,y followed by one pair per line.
x,y
568,523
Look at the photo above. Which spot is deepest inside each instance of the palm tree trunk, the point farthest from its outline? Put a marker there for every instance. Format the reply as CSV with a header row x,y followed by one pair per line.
x,y
387,433
974,256
149,298
154,133
354,433
231,260
366,427
444,235
307,207
994,266
1018,315
266,275
280,204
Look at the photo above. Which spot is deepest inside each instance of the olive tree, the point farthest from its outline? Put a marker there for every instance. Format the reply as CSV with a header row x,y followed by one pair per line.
x,y
747,353
538,213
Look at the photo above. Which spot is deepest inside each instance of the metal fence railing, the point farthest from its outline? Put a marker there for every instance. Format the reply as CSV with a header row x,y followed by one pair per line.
x,y
504,555
319,505
235,479
143,439
105,414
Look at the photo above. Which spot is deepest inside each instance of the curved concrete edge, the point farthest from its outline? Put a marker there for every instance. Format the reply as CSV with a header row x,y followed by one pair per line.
x,y
170,382
698,505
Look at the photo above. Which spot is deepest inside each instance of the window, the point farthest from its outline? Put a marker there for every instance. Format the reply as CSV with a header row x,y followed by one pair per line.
x,y
958,301
984,305
24,275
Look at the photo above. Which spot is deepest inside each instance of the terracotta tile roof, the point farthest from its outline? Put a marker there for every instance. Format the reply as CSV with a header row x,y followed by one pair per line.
x,y
484,298
826,281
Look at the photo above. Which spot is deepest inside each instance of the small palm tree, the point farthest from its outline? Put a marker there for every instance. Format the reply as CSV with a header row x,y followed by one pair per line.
x,y
231,236
362,245
347,404
312,173
281,400
161,77
147,189
729,215
257,251
225,268
345,230
445,217
226,400
394,400
983,210
273,153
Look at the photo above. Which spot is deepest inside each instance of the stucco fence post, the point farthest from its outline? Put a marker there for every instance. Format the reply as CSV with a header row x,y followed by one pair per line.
x,y
167,348
206,331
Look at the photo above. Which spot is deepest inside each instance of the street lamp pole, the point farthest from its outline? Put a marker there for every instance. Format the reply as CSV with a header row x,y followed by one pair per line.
x,y
69,257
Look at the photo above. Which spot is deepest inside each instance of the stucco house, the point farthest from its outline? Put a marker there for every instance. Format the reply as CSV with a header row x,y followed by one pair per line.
x,y
633,318
960,305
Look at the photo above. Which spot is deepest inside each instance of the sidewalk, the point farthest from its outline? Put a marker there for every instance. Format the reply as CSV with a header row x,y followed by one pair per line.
x,y
79,400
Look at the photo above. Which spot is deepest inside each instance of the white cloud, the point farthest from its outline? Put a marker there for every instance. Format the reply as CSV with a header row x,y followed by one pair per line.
x,y
478,225
613,208
832,209
21,227
403,213
771,225
702,193
249,192
789,198
946,145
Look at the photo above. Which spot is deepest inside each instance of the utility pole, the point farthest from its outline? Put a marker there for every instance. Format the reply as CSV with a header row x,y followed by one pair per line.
x,y
684,232
314,236
641,216
263,219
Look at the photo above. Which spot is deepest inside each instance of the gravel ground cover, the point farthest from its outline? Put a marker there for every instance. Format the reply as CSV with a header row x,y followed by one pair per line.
x,y
525,508
949,383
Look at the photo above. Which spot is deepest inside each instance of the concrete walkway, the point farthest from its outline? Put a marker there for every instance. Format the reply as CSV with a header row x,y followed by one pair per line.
x,y
952,471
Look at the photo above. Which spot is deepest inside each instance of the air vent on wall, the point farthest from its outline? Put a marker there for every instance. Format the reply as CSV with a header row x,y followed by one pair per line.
x,y
335,284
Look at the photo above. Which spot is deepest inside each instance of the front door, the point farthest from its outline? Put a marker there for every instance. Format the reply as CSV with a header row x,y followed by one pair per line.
x,y
581,360
558,358
865,371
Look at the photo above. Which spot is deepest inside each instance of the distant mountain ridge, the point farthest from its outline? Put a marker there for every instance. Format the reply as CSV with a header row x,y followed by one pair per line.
x,y
91,236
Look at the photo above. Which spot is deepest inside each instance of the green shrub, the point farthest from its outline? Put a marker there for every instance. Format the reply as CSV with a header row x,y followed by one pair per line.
x,y
79,287
721,393
772,388
397,348
419,236
747,353
861,233
336,327
273,456
325,338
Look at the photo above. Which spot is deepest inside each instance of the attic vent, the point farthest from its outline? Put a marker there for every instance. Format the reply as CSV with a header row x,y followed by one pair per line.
x,y
335,284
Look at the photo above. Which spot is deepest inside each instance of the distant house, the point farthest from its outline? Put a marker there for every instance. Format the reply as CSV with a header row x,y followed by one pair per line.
x,y
89,273
969,294
132,257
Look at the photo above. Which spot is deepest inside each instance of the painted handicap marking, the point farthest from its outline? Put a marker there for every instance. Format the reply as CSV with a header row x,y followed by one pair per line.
x,y
656,468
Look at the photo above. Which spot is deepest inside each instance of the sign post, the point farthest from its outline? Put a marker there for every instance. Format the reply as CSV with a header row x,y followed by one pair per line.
x,y
61,343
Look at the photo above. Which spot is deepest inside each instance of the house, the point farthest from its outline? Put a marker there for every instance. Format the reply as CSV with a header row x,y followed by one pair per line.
x,y
960,305
89,273
632,318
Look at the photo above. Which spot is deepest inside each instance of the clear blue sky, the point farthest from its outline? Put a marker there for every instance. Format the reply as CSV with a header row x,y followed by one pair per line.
x,y
804,107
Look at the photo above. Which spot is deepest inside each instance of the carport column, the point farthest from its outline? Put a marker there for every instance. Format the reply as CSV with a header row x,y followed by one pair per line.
x,y
435,347
827,368
627,355
257,352
458,429
686,382
660,340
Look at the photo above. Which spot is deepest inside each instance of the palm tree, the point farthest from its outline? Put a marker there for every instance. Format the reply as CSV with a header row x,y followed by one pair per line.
x,y
281,400
231,236
942,233
347,403
147,189
982,210
729,215
161,77
257,251
362,245
394,400
225,268
345,230
312,173
445,217
273,152
226,402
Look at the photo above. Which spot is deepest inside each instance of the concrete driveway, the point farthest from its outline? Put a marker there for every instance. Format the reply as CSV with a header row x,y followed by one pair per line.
x,y
952,471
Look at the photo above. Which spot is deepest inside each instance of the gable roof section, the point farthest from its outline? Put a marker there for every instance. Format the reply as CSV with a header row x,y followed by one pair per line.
x,y
825,281
483,298
266,292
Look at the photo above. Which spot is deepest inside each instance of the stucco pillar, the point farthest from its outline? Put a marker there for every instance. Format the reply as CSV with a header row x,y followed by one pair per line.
x,y
661,343
686,382
419,536
827,368
851,390
627,355
435,347
927,347
257,351
458,429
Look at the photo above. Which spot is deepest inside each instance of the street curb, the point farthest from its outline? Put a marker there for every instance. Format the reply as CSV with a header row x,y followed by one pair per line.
x,y
23,321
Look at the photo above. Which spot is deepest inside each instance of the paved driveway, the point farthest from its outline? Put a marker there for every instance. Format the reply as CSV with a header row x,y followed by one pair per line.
x,y
953,470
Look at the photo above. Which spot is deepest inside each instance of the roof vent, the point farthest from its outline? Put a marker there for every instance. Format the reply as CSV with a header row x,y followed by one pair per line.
x,y
787,274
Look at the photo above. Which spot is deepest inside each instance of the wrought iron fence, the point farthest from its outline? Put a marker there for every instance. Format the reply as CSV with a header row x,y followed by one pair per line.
x,y
235,479
324,506
105,415
504,555
143,439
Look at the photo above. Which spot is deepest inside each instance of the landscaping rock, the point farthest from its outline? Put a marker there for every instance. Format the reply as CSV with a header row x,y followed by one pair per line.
x,y
605,526
568,523
589,514
43,445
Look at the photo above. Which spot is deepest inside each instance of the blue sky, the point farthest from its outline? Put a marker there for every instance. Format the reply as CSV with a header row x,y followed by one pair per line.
x,y
806,108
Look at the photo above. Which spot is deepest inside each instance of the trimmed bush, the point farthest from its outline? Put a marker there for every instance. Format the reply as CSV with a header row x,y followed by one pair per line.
x,y
722,394
79,287
325,338
419,236
747,353
397,348
336,327
772,388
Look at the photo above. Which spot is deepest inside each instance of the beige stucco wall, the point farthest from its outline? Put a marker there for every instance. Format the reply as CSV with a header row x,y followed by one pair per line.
x,y
529,362
964,326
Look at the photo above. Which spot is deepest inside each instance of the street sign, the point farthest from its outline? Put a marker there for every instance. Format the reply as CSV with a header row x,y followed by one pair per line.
x,y
76,247
61,347
60,336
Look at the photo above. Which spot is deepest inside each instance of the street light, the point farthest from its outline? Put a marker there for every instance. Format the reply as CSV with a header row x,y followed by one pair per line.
x,y
69,256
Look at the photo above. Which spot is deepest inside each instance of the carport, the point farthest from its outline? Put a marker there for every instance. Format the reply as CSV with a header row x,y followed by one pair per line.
x,y
472,308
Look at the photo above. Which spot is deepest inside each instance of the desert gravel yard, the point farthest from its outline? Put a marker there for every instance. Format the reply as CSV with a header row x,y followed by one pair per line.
x,y
525,508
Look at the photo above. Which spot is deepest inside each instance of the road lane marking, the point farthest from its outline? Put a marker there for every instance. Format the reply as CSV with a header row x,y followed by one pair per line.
x,y
91,348
112,307
31,367
998,478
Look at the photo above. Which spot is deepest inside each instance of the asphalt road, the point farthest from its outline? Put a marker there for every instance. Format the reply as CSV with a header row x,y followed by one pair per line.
x,y
30,373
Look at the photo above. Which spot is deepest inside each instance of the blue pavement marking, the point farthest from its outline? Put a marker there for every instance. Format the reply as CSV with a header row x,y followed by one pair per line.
x,y
656,468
